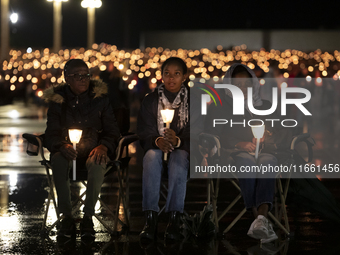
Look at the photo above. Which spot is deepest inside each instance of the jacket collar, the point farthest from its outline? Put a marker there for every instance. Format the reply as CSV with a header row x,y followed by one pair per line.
x,y
58,93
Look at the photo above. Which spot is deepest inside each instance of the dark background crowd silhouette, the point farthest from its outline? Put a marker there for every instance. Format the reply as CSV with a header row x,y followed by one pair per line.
x,y
131,74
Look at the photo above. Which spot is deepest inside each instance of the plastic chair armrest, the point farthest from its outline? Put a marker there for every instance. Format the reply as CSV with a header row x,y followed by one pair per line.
x,y
123,142
212,140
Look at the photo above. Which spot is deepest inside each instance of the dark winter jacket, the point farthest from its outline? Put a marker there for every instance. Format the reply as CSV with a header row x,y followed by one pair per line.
x,y
147,128
90,112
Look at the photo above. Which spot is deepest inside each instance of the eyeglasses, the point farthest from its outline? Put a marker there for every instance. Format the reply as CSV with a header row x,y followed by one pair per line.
x,y
79,77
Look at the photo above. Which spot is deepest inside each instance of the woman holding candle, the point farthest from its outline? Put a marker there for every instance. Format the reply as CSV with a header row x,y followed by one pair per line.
x,y
174,141
80,103
238,139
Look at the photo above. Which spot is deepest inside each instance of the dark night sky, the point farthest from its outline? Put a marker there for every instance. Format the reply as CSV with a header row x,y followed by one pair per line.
x,y
121,21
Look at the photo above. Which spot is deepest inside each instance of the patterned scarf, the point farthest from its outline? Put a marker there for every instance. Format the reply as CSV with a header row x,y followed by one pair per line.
x,y
181,102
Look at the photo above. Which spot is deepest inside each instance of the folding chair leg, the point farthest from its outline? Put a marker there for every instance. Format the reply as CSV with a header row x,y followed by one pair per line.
x,y
52,226
51,185
283,207
278,223
126,178
281,210
80,199
50,197
103,223
164,196
81,202
217,188
73,211
117,214
235,220
285,197
110,211
123,198
236,185
276,203
127,186
286,188
229,207
46,211
214,200
208,191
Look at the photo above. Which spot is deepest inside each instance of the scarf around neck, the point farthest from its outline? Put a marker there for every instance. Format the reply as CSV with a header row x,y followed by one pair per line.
x,y
181,102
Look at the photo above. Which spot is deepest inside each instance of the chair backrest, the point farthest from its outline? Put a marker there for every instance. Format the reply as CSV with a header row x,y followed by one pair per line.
x,y
35,144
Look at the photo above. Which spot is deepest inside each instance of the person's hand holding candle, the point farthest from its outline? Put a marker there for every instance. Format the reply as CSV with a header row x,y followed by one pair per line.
x,y
170,136
261,140
75,135
68,151
258,132
167,116
246,146
164,145
168,142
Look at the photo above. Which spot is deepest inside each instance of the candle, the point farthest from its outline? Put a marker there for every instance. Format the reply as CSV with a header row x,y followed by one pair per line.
x,y
258,132
167,116
75,135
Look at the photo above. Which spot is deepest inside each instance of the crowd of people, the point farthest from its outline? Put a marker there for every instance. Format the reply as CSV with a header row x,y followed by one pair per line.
x,y
132,74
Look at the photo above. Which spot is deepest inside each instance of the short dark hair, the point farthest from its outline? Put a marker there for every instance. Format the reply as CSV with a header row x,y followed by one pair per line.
x,y
72,63
175,61
240,69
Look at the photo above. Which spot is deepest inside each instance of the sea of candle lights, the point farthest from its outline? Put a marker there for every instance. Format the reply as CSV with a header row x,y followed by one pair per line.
x,y
36,66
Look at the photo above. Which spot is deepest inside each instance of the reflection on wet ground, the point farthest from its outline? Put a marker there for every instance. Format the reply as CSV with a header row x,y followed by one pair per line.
x,y
23,197
23,200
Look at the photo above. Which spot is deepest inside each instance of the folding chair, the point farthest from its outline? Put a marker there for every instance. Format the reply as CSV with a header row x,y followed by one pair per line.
x,y
163,191
210,141
35,145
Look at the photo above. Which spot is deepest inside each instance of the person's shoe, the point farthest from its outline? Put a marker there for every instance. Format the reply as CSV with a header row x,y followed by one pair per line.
x,y
271,234
250,231
67,228
149,232
259,228
86,228
173,230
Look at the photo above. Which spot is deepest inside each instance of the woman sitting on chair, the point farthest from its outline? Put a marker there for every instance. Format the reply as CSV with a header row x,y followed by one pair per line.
x,y
83,104
257,190
156,140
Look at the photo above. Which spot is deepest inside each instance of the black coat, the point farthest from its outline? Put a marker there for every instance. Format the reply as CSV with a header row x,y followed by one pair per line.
x,y
147,127
90,112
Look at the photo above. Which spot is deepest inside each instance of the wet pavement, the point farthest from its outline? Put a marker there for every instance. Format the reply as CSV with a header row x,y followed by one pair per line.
x,y
23,199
